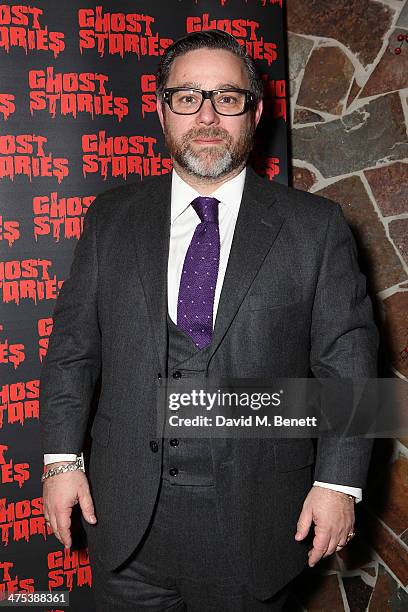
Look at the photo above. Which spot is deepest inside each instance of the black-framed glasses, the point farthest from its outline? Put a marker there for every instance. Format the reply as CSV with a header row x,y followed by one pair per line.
x,y
188,101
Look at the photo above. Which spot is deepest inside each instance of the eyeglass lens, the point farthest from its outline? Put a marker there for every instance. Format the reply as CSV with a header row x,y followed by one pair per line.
x,y
188,101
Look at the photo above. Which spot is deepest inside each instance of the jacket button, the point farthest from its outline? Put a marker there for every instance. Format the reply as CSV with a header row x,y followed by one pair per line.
x,y
174,442
154,446
173,472
176,374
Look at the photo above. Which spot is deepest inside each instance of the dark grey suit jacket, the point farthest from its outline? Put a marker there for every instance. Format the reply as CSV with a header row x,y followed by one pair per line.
x,y
293,303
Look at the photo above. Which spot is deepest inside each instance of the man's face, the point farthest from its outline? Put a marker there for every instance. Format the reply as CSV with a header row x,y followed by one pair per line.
x,y
206,144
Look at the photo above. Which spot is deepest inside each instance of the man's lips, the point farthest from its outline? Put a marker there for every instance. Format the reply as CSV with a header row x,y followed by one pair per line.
x,y
207,140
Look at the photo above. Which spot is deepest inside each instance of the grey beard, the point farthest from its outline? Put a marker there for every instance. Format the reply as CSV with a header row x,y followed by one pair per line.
x,y
201,163
198,167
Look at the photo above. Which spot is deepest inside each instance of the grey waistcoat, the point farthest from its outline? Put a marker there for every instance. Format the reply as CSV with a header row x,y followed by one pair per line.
x,y
191,457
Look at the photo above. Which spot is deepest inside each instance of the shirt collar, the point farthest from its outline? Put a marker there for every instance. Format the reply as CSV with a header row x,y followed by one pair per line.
x,y
229,194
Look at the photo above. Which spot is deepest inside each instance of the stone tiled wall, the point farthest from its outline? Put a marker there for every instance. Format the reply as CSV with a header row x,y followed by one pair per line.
x,y
348,73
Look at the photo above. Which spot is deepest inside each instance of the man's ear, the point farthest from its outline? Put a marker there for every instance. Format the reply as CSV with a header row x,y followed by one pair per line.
x,y
160,111
258,111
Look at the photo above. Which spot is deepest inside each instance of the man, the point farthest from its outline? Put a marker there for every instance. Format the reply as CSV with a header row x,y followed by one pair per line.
x,y
211,524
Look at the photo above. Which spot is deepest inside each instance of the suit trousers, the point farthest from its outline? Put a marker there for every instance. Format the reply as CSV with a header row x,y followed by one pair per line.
x,y
180,564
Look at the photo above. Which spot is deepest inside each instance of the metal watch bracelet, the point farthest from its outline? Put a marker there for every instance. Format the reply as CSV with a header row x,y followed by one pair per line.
x,y
67,467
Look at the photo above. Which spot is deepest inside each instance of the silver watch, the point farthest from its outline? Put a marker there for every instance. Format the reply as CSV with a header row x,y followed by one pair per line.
x,y
67,467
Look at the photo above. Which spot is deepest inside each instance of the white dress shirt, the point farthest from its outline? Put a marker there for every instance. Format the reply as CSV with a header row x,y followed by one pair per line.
x,y
184,220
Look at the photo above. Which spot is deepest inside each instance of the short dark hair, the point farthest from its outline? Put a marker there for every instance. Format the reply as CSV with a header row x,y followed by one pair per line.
x,y
207,39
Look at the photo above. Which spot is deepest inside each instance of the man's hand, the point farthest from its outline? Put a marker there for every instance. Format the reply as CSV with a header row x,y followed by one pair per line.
x,y
60,493
332,513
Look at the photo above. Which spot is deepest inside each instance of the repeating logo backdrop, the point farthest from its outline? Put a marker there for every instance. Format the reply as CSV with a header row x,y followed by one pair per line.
x,y
77,116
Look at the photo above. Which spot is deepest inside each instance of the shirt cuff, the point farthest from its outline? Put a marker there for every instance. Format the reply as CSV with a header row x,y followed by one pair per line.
x,y
354,491
52,457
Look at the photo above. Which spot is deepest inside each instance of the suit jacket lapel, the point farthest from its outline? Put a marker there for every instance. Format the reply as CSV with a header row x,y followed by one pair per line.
x,y
256,229
151,231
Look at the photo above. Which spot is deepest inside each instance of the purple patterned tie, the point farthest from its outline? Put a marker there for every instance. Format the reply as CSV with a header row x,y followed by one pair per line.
x,y
199,276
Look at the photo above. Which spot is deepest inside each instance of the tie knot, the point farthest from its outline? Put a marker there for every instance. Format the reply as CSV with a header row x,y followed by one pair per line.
x,y
206,208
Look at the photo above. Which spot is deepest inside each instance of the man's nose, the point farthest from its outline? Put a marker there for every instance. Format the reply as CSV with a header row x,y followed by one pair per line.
x,y
207,115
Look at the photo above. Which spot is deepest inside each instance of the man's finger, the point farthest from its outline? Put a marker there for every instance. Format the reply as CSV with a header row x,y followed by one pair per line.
x,y
320,545
54,528
315,554
335,540
303,525
86,504
63,527
340,538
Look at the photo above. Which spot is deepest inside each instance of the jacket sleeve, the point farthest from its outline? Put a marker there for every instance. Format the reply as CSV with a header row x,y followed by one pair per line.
x,y
344,344
73,361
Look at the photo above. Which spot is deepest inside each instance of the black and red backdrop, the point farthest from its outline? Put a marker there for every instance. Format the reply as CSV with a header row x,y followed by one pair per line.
x,y
77,116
